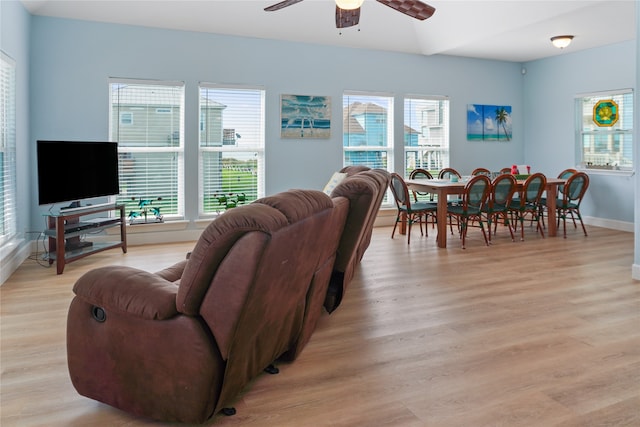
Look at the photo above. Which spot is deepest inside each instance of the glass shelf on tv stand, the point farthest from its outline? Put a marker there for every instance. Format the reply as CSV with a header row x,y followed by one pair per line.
x,y
65,228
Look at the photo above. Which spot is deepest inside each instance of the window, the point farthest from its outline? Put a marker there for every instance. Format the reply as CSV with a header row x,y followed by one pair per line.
x,y
426,133
604,136
151,145
8,223
231,147
367,130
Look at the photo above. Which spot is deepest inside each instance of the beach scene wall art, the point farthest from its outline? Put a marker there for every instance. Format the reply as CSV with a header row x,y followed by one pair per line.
x,y
305,116
489,122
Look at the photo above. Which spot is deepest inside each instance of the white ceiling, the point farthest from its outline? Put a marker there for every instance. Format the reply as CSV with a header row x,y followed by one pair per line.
x,y
509,30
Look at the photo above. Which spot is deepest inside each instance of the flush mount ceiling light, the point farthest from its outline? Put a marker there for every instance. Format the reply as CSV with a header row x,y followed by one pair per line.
x,y
561,41
349,4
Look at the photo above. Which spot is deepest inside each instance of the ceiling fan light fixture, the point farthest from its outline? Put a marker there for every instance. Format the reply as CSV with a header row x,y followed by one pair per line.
x,y
349,4
561,41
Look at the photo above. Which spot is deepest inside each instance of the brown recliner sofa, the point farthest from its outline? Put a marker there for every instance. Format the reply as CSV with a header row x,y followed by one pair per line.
x,y
180,344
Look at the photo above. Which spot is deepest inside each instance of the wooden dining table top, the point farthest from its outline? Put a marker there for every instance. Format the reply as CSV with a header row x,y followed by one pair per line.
x,y
437,183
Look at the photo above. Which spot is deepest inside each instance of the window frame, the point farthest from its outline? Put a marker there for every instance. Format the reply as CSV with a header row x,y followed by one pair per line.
x,y
444,123
257,149
614,132
8,100
389,148
127,152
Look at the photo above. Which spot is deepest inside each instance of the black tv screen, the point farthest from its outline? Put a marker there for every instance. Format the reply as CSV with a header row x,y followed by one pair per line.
x,y
69,171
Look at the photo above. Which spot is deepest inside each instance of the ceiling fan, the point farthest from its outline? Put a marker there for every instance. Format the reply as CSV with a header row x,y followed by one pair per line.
x,y
348,11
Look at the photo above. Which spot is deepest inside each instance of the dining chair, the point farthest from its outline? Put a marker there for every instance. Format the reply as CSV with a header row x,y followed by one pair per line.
x,y
528,203
503,188
565,174
481,171
407,211
446,173
420,173
574,191
474,198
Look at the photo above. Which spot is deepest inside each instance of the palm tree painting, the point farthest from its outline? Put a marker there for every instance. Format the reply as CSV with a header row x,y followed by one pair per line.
x,y
489,123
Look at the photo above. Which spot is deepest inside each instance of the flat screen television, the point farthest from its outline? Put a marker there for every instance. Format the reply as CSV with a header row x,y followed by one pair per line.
x,y
71,171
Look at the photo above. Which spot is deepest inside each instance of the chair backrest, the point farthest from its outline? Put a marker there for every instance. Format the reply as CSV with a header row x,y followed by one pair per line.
x,y
505,170
447,172
481,171
420,174
400,191
576,187
476,192
565,174
502,189
533,189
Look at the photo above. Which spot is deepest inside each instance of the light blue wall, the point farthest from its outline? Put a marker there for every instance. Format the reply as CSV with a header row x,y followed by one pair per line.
x,y
72,60
549,91
15,24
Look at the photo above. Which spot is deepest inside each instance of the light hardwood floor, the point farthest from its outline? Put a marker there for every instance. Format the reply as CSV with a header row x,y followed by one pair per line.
x,y
544,332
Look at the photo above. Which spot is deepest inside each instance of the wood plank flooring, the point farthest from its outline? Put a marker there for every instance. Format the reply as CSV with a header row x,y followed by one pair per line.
x,y
544,332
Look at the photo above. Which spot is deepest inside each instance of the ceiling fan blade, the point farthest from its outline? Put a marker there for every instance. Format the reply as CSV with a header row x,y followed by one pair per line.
x,y
347,18
413,8
281,5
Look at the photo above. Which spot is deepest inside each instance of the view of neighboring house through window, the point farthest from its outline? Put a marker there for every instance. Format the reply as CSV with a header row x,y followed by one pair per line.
x,y
147,121
367,130
426,134
604,130
231,147
8,222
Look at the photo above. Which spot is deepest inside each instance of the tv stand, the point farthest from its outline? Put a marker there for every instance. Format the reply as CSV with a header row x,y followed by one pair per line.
x,y
74,246
65,228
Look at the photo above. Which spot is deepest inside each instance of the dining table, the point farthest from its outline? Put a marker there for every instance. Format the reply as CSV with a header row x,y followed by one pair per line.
x,y
444,187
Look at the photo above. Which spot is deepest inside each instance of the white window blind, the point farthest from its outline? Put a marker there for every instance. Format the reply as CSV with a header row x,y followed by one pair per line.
x,y
604,130
147,121
367,130
231,167
426,133
8,221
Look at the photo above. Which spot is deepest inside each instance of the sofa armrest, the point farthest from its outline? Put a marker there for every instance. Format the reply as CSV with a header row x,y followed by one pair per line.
x,y
128,290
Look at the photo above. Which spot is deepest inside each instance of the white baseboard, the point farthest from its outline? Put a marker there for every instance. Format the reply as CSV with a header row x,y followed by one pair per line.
x,y
635,271
609,223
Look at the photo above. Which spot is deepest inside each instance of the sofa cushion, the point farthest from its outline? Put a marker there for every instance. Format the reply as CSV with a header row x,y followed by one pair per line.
x,y
214,244
335,179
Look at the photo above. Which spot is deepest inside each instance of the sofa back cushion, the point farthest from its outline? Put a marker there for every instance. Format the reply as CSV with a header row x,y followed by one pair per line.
x,y
214,244
382,179
255,303
365,191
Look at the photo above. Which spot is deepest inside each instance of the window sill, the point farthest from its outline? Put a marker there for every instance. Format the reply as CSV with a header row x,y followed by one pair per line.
x,y
151,227
611,172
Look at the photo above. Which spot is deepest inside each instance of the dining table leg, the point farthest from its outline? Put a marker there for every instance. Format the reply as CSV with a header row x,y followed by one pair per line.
x,y
552,196
441,218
